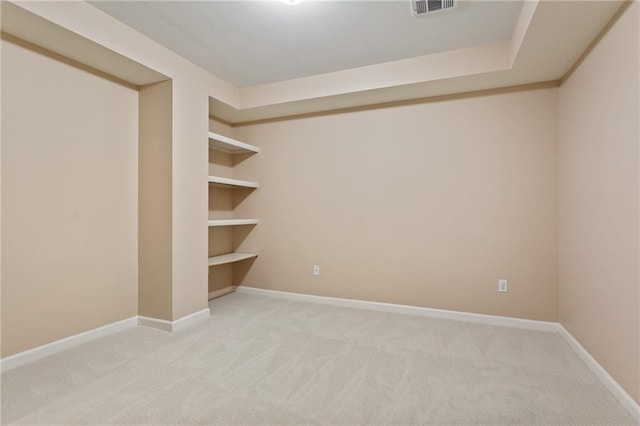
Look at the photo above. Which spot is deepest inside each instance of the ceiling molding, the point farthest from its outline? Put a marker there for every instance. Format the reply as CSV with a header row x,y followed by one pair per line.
x,y
441,98
64,59
439,66
625,5
27,26
539,50
522,25
548,39
81,32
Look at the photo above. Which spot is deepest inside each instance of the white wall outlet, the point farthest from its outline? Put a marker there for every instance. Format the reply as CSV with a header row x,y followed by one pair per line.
x,y
503,286
316,270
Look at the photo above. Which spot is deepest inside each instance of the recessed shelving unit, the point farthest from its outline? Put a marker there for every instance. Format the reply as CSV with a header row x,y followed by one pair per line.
x,y
224,232
232,222
231,183
230,258
230,146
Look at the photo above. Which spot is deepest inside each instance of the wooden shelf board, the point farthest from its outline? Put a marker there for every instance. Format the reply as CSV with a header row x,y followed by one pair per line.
x,y
229,183
230,146
229,258
232,222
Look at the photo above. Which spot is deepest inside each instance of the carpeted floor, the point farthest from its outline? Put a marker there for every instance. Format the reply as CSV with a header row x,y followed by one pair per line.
x,y
261,360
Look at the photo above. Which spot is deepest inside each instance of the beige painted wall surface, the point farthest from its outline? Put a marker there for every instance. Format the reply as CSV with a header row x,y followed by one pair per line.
x,y
189,183
599,235
426,204
154,201
69,199
191,88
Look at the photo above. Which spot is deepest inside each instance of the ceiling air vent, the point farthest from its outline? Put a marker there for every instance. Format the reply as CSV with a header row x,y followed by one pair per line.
x,y
427,7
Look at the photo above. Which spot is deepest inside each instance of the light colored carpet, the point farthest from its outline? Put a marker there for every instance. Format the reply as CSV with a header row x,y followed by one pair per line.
x,y
260,360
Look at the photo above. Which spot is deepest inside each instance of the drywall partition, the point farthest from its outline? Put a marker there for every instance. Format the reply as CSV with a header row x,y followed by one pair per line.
x,y
69,196
420,204
190,149
154,201
599,208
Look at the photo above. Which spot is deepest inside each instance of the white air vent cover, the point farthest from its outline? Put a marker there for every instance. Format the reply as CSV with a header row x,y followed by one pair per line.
x,y
427,7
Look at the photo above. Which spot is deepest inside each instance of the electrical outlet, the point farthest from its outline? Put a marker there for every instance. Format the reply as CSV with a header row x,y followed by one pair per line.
x,y
316,270
503,286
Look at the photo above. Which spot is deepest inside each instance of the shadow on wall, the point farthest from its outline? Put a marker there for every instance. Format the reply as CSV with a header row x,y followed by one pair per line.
x,y
241,269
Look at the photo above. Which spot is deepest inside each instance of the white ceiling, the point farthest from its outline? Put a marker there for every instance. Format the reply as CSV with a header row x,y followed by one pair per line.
x,y
255,42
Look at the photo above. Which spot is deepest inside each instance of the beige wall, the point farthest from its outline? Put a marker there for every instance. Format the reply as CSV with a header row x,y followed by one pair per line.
x,y
427,204
189,186
69,197
599,215
187,231
191,88
154,201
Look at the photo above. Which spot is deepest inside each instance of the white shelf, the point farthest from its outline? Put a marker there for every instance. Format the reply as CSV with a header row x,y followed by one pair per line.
x,y
229,258
230,146
232,222
228,183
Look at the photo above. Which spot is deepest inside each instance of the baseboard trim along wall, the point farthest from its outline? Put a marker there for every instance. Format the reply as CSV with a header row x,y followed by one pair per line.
x,y
31,355
43,351
404,309
609,382
177,325
221,292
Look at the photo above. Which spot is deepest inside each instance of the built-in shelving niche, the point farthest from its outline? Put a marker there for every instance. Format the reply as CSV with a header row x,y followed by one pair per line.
x,y
226,230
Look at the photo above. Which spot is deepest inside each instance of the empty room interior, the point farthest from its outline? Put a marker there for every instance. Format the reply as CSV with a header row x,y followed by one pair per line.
x,y
320,212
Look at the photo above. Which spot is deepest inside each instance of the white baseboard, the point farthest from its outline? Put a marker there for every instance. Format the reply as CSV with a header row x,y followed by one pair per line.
x,y
160,324
40,352
609,382
43,351
189,320
411,310
221,292
176,325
